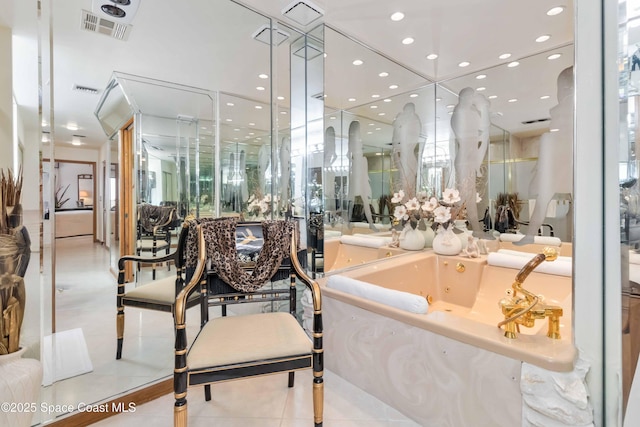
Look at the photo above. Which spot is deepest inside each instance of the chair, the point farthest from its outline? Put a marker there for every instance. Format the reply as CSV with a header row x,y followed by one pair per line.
x,y
157,295
239,346
154,231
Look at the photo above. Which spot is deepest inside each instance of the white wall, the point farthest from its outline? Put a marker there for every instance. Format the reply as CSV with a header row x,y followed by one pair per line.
x,y
6,96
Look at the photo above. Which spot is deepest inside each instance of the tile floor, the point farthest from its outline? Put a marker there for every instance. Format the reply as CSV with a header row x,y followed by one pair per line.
x,y
86,299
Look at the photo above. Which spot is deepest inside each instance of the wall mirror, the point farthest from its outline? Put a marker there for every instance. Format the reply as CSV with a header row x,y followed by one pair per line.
x,y
85,190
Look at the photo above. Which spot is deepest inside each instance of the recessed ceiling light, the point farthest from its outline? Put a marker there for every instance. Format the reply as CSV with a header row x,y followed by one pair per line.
x,y
387,100
281,98
252,133
393,87
252,124
258,107
375,95
259,88
463,64
230,104
352,100
481,88
449,112
481,76
324,55
555,10
438,99
505,56
398,16
235,138
554,130
513,64
369,133
408,40
413,95
236,130
358,62
283,112
72,126
79,143
545,97
378,128
332,117
263,76
543,38
229,120
450,106
373,106
432,56
383,74
554,56
381,114
513,100
371,124
493,96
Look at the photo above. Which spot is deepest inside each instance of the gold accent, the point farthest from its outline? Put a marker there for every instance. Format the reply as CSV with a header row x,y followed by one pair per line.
x,y
317,351
180,395
181,299
445,263
460,268
120,325
181,326
180,416
318,374
180,370
429,299
181,352
388,254
526,309
318,402
348,259
317,334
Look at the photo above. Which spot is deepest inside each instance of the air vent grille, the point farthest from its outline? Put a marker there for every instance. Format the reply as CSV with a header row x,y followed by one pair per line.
x,y
95,24
85,89
528,122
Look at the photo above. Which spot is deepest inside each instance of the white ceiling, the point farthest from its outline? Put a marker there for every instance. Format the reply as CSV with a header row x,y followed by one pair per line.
x,y
207,44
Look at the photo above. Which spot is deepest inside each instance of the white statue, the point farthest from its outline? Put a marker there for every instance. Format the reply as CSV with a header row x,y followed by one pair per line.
x,y
553,173
264,162
285,170
406,132
359,184
329,175
471,126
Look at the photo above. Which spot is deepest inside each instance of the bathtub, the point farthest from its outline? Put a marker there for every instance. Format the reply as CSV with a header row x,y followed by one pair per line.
x,y
338,256
451,366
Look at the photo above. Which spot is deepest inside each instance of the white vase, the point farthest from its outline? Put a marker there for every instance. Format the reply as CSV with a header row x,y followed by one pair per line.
x,y
461,225
429,235
20,381
411,239
446,242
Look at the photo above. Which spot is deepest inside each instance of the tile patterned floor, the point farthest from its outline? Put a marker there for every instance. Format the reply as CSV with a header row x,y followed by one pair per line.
x,y
86,299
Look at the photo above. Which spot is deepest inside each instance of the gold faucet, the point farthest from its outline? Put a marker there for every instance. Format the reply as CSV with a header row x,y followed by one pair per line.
x,y
524,310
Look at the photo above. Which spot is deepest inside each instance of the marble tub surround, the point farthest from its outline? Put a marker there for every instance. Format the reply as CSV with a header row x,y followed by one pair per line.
x,y
564,248
465,294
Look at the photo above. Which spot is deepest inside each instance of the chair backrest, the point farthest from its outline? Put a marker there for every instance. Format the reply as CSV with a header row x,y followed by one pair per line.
x,y
151,217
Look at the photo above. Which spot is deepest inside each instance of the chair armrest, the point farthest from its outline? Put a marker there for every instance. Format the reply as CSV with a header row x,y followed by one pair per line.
x,y
313,286
136,258
196,279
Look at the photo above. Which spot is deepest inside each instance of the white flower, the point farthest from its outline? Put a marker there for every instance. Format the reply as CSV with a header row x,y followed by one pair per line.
x,y
422,196
451,196
397,197
412,205
264,207
478,198
267,198
430,205
442,214
400,213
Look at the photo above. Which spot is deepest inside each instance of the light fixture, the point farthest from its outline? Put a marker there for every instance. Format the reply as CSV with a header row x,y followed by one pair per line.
x,y
492,96
413,95
283,112
513,100
505,56
259,88
463,64
387,100
481,76
383,74
358,62
76,143
543,38
332,117
397,16
554,56
258,107
450,106
554,130
438,99
264,34
252,124
481,88
375,95
281,98
72,126
407,40
230,104
513,64
302,12
263,76
432,56
555,10
236,130
393,87
351,100
381,114
229,120
373,106
545,97
369,133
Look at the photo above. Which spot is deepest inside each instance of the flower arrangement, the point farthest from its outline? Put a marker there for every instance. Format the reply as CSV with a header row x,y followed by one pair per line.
x,y
442,212
258,205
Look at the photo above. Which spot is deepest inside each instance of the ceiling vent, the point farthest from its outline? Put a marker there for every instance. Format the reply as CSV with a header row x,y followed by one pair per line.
x,y
302,12
308,51
529,122
262,34
95,24
85,89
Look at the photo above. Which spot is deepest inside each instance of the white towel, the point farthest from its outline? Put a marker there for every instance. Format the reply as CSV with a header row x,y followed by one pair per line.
x,y
530,255
369,242
562,268
398,299
384,236
539,240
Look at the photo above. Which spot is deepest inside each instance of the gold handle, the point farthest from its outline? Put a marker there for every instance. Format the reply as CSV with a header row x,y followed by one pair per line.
x,y
460,267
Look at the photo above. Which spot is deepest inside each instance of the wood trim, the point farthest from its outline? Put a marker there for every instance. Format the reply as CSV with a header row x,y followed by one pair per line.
x,y
125,196
138,397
